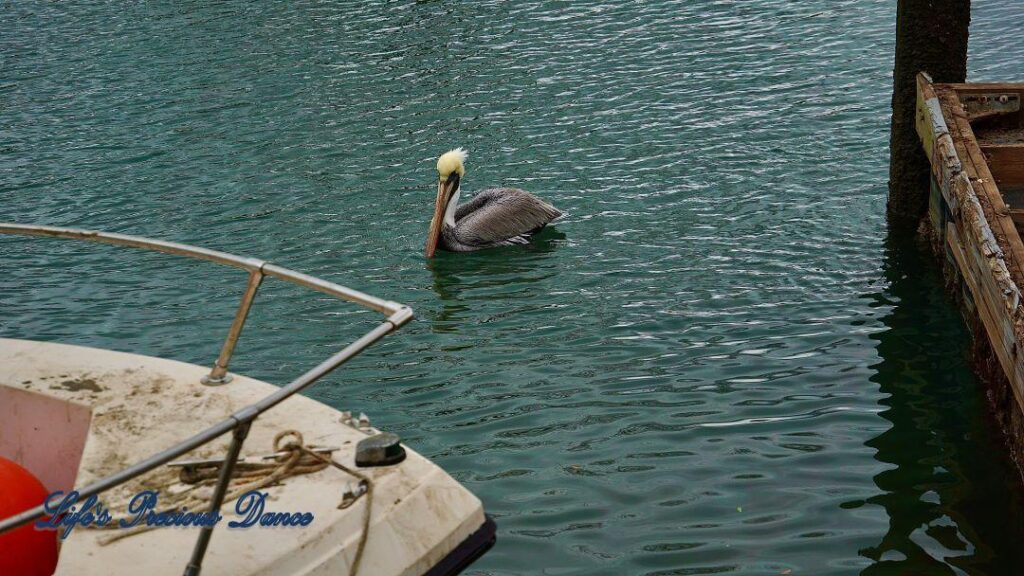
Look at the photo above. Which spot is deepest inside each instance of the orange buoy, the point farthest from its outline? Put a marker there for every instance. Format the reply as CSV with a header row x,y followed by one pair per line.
x,y
25,551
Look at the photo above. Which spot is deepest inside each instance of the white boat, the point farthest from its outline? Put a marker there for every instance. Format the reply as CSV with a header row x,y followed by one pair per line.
x,y
115,425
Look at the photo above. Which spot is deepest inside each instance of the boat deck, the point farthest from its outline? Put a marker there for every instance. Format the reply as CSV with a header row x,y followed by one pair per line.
x,y
84,413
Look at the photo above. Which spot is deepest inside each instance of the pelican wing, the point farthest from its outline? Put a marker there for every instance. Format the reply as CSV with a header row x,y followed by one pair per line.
x,y
502,215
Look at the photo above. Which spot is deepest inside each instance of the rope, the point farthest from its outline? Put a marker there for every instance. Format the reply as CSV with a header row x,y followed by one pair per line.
x,y
299,460
364,481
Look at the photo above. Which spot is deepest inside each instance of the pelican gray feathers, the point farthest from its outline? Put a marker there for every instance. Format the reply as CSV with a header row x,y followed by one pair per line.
x,y
494,217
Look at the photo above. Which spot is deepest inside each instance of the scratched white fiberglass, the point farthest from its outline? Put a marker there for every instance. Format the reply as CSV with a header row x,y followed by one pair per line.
x,y
717,363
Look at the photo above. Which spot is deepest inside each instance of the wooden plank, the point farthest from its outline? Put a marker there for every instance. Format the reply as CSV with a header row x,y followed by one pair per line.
x,y
989,304
945,166
1006,162
975,87
959,190
976,235
986,310
928,120
983,183
1017,215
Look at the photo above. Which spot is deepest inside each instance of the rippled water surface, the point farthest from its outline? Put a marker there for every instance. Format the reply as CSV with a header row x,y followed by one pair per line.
x,y
719,362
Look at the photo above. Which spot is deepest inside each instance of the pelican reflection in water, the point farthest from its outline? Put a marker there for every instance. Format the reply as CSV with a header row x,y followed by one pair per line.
x,y
494,217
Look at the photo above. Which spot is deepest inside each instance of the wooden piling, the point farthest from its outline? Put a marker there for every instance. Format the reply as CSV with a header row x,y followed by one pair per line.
x,y
931,36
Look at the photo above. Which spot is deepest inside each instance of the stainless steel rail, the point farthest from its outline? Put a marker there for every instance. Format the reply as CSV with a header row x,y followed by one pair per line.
x,y
239,422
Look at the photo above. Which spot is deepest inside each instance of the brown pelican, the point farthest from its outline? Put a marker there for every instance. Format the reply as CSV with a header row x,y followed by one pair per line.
x,y
494,217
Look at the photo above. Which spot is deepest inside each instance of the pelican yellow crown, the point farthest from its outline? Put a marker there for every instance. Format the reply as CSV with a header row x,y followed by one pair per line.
x,y
451,161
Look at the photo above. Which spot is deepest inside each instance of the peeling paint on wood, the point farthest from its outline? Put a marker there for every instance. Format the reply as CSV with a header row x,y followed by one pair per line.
x,y
929,122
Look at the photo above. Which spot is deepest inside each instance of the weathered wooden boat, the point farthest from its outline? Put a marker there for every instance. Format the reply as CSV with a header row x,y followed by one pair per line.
x,y
973,135
116,424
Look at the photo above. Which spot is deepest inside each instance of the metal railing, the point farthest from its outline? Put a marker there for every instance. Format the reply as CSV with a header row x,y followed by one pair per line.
x,y
239,422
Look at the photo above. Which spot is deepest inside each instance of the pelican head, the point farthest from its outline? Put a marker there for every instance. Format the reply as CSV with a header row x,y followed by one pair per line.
x,y
450,171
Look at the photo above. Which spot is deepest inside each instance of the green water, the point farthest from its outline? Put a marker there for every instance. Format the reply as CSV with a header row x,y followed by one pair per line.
x,y
719,362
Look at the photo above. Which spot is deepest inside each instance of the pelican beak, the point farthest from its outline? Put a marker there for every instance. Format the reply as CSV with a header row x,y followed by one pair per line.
x,y
445,189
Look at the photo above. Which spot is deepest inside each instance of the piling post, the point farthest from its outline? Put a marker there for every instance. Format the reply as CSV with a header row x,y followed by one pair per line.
x,y
931,36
